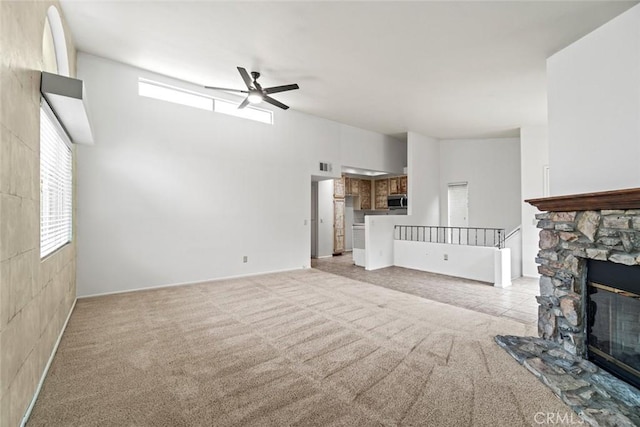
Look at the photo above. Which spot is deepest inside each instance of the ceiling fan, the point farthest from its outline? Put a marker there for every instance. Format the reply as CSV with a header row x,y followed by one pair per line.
x,y
255,92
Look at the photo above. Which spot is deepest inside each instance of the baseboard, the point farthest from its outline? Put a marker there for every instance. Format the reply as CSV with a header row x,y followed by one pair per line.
x,y
197,282
27,414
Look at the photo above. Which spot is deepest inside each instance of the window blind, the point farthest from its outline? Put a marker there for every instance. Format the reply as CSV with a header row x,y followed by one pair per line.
x,y
56,192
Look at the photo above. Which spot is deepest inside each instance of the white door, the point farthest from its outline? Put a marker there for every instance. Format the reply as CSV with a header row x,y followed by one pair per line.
x,y
458,202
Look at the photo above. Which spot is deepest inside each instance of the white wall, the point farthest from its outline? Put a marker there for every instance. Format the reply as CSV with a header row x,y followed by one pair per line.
x,y
423,171
534,156
325,218
172,194
469,262
492,169
379,239
371,150
594,109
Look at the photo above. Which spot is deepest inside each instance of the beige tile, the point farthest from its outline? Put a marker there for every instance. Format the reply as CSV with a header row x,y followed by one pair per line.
x,y
9,226
25,170
4,398
6,169
30,329
521,316
31,225
22,278
13,348
22,389
5,293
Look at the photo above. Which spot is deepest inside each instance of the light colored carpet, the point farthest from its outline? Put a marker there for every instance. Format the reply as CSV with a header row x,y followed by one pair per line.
x,y
301,348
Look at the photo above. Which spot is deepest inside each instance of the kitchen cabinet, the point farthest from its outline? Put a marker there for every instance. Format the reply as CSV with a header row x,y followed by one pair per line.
x,y
398,185
394,185
347,185
381,193
365,194
338,226
338,188
354,187
351,186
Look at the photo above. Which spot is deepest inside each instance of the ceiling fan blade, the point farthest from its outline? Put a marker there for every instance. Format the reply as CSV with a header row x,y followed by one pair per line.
x,y
244,103
274,102
277,89
246,77
226,89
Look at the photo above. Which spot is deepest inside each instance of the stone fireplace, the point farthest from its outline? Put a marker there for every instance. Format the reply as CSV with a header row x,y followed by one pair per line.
x,y
589,262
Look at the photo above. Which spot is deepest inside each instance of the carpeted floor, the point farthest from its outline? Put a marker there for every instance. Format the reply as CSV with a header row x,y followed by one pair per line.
x,y
301,348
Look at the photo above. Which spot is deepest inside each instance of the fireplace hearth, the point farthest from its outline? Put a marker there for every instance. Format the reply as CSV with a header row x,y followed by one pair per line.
x,y
588,350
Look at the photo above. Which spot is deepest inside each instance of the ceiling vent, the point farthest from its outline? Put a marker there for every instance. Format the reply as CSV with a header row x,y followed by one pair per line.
x,y
67,99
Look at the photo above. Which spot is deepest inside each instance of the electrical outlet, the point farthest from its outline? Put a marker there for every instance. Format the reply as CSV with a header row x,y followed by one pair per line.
x,y
446,257
245,258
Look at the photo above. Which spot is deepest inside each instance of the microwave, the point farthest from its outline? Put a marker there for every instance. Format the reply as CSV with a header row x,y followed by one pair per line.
x,y
398,201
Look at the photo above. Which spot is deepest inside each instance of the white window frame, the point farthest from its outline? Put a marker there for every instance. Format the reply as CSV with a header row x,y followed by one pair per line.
x,y
164,92
56,183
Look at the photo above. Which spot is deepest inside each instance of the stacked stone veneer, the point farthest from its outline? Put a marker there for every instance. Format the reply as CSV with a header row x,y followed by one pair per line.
x,y
35,295
567,240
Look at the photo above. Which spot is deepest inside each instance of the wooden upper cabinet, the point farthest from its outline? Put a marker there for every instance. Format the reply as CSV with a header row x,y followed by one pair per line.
x,y
394,185
338,188
403,184
365,194
355,187
398,185
347,185
381,193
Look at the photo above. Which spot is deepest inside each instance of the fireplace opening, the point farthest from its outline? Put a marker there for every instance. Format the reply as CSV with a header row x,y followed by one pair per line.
x,y
613,318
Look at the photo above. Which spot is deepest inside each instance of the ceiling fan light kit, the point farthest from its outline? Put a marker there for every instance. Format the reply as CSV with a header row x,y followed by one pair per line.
x,y
255,92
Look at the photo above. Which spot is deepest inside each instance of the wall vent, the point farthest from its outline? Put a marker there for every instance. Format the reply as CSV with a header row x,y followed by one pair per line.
x,y
325,167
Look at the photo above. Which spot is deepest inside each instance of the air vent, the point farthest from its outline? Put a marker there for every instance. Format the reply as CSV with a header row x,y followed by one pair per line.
x,y
325,167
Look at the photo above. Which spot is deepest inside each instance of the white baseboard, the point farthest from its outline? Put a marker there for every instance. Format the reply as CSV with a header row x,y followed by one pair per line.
x,y
197,282
27,414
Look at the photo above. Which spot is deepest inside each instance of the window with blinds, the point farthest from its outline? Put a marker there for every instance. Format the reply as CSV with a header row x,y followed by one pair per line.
x,y
56,192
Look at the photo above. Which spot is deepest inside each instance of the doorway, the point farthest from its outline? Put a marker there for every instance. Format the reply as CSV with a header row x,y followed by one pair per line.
x,y
314,219
458,205
458,212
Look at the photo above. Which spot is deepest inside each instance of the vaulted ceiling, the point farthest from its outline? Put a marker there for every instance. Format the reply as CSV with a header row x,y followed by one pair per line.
x,y
446,69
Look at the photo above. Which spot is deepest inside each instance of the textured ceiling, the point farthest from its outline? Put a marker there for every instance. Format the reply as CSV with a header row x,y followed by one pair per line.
x,y
444,69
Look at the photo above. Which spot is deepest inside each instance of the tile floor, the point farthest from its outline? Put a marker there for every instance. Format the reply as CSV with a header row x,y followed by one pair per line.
x,y
515,302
